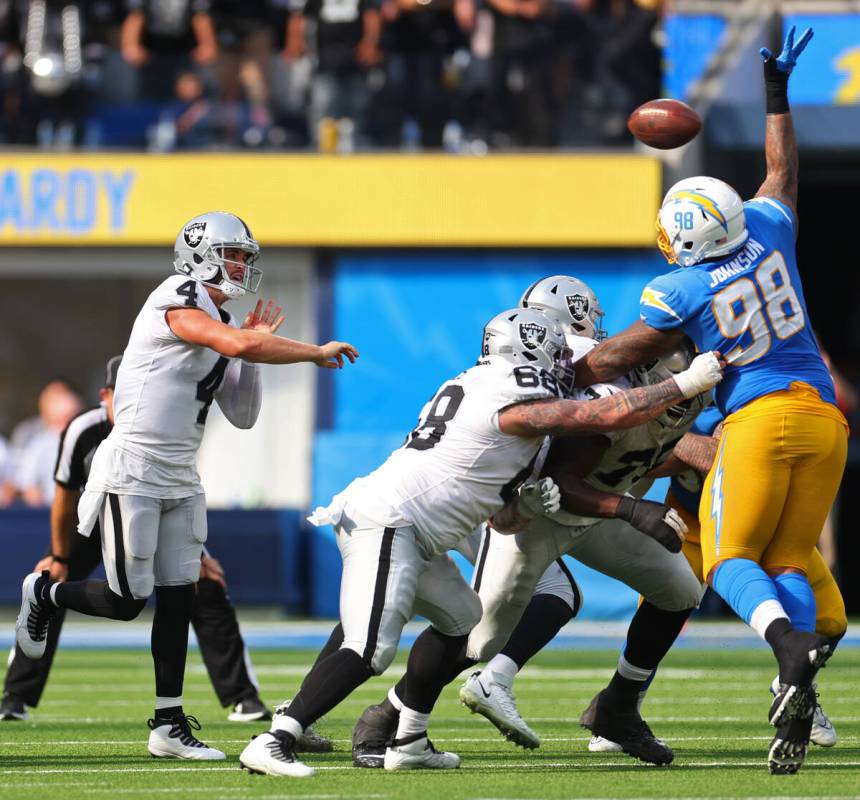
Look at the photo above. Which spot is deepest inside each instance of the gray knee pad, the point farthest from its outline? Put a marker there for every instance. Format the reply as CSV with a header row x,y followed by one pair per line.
x,y
681,591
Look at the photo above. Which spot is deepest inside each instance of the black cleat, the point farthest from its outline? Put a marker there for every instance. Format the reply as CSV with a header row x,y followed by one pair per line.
x,y
13,708
251,709
374,731
607,718
789,746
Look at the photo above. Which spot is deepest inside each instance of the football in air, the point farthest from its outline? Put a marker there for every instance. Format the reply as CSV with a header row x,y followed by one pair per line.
x,y
664,124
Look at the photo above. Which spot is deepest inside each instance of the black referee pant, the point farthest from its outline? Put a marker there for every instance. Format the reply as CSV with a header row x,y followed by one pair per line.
x,y
214,622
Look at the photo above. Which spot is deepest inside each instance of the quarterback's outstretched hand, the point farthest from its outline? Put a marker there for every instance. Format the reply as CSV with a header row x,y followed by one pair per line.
x,y
787,59
538,498
266,320
331,355
702,375
655,520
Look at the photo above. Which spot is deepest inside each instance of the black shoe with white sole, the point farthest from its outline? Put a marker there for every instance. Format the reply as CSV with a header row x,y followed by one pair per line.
x,y
789,747
251,709
372,734
621,723
13,708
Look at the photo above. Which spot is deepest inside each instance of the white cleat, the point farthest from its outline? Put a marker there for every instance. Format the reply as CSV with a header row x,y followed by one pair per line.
x,y
273,753
418,753
31,627
174,739
483,694
598,744
823,733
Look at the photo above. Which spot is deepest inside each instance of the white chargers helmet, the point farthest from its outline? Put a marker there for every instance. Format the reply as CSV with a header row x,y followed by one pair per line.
x,y
667,366
700,218
526,336
200,248
571,302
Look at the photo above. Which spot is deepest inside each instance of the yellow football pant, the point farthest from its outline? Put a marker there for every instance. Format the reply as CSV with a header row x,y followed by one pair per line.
x,y
776,474
830,617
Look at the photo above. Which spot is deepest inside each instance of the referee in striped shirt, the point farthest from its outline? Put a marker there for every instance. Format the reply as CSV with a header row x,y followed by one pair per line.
x,y
74,557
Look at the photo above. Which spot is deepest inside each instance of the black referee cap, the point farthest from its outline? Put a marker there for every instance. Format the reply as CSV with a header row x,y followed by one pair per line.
x,y
111,371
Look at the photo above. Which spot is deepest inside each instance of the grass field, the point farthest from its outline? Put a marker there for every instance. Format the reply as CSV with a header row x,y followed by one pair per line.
x,y
88,739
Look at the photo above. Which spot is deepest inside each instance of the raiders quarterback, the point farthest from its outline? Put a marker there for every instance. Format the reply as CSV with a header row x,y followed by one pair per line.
x,y
475,444
185,351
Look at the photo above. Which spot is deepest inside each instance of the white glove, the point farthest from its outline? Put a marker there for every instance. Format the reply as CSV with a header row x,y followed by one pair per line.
x,y
701,376
673,520
538,498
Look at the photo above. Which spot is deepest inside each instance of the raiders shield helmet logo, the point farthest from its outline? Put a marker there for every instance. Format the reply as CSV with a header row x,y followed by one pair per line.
x,y
577,304
193,233
532,335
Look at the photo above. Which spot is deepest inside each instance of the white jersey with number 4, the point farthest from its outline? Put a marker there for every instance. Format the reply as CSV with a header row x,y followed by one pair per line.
x,y
163,392
456,467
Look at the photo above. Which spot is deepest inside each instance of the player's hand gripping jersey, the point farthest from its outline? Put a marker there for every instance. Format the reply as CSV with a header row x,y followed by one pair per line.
x,y
456,467
750,307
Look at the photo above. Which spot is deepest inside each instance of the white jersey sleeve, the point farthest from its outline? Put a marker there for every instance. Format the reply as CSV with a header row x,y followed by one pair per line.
x,y
456,468
166,385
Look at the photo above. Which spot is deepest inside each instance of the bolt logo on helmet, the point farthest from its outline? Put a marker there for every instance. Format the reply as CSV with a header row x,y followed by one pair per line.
x,y
193,233
578,305
701,218
202,248
532,334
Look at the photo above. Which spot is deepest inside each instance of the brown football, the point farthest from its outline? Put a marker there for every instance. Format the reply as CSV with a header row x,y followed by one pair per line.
x,y
664,124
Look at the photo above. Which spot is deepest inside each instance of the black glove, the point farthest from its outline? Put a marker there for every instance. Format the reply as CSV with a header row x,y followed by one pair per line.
x,y
655,520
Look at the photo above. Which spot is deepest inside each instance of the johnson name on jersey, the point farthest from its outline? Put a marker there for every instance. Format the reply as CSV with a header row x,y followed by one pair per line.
x,y
165,385
750,307
456,468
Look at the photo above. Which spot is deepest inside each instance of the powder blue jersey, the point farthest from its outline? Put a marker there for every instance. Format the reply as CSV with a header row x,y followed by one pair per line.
x,y
748,306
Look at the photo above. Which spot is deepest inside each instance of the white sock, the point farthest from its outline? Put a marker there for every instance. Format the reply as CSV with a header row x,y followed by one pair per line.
x,y
167,702
52,594
288,725
631,671
394,699
411,723
504,670
765,613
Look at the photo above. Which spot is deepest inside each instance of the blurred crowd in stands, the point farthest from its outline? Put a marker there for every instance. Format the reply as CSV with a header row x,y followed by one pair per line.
x,y
463,75
28,458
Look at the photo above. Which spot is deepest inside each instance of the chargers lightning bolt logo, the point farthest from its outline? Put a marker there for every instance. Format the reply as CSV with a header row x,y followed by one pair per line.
x,y
717,495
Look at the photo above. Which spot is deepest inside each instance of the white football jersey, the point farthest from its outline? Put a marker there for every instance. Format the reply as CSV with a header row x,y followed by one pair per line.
x,y
633,451
456,468
164,389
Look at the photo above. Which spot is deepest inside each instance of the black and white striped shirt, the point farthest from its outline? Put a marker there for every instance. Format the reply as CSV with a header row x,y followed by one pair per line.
x,y
78,444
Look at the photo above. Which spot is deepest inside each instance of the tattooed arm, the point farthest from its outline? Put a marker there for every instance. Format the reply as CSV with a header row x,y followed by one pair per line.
x,y
619,354
694,451
625,409
780,150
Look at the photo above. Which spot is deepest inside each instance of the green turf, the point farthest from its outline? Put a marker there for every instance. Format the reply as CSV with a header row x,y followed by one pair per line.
x,y
88,738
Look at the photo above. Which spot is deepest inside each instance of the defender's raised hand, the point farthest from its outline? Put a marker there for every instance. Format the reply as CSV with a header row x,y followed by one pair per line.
x,y
787,59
